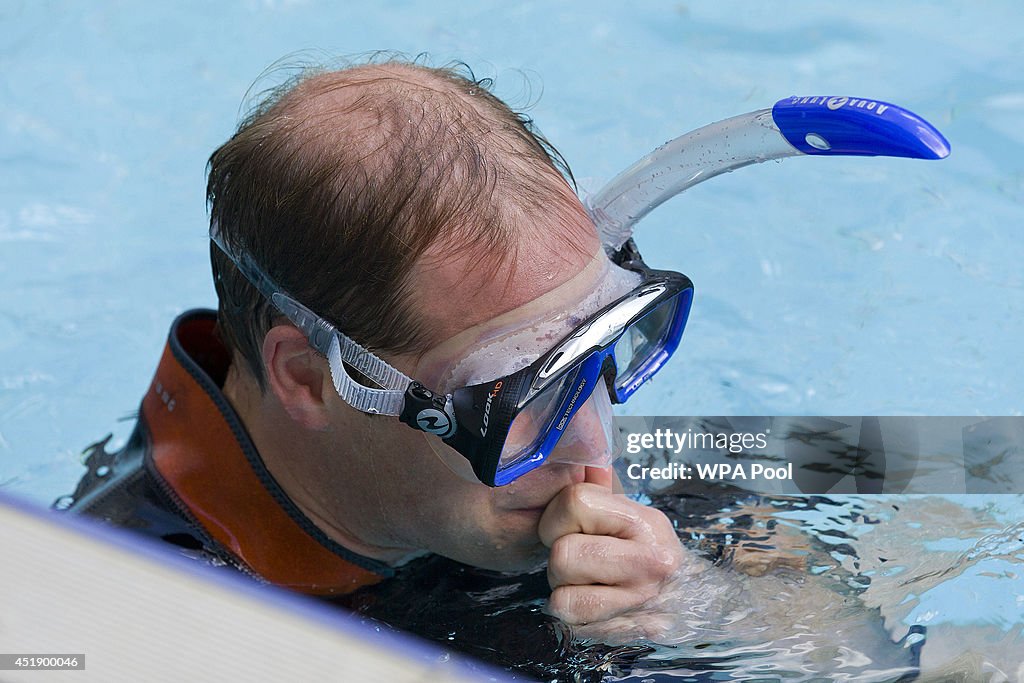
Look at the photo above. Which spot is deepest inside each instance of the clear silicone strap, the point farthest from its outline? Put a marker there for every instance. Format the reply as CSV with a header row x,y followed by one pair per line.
x,y
820,126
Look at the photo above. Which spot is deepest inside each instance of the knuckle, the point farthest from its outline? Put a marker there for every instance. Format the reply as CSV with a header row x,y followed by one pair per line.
x,y
668,559
562,553
658,524
637,527
554,578
642,521
576,497
644,593
559,604
658,563
656,518
574,605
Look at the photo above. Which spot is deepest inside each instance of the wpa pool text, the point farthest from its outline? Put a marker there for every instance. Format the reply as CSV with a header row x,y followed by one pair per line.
x,y
711,471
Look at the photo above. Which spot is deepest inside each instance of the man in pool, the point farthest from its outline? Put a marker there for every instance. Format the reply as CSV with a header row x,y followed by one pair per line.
x,y
406,211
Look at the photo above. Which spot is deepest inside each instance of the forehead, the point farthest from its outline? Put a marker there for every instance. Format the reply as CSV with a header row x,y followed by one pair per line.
x,y
457,292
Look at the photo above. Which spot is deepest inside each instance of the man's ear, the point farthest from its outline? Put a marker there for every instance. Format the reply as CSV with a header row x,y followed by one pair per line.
x,y
296,375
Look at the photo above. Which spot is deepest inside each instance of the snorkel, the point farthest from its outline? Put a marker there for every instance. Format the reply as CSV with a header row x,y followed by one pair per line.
x,y
795,126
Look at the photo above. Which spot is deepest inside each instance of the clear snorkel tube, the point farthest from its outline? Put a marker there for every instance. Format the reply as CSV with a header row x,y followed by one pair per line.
x,y
795,126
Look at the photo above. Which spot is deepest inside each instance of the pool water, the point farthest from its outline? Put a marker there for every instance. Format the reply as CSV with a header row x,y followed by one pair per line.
x,y
856,286
807,588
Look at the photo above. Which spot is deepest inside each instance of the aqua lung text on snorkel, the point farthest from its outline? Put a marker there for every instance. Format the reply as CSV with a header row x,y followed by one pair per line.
x,y
834,103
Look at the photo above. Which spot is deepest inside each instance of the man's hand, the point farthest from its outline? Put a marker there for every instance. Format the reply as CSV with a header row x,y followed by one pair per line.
x,y
609,555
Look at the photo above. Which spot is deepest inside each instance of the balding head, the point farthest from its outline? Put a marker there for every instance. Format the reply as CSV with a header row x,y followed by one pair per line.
x,y
343,183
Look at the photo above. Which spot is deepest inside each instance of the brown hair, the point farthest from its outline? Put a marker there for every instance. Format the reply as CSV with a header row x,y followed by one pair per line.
x,y
338,181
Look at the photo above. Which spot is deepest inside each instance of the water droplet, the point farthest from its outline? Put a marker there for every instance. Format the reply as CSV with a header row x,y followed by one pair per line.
x,y
102,471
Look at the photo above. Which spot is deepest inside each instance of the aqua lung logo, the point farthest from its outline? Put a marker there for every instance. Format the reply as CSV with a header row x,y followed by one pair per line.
x,y
835,103
436,422
487,407
572,402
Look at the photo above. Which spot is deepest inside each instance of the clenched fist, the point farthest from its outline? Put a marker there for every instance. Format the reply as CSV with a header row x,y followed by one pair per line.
x,y
609,554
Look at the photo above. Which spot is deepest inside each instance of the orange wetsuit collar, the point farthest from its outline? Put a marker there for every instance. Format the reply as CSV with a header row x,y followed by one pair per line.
x,y
201,452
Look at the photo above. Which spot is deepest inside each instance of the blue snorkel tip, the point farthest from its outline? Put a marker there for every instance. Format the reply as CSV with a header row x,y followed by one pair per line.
x,y
851,126
795,126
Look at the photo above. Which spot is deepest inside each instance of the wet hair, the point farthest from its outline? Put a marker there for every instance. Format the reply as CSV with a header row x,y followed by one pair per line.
x,y
337,182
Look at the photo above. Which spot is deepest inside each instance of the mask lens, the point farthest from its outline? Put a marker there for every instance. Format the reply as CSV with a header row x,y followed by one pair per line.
x,y
530,426
642,340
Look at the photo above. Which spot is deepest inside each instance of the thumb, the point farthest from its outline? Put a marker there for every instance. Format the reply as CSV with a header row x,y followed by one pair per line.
x,y
602,476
